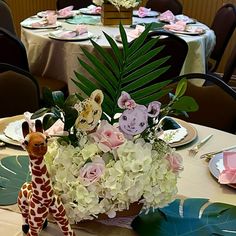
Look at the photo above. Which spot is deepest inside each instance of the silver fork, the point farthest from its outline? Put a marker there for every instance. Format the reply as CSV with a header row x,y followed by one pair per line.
x,y
209,155
194,150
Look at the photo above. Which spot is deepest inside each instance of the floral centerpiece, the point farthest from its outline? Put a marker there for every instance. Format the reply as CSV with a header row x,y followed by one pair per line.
x,y
119,3
114,12
109,155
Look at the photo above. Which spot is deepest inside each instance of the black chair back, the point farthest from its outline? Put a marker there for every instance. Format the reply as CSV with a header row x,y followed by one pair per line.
x,y
174,47
6,19
19,91
163,5
217,102
12,50
223,32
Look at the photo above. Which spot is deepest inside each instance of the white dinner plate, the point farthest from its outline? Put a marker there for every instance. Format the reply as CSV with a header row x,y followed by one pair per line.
x,y
188,32
58,35
149,14
185,19
45,13
88,11
214,169
27,24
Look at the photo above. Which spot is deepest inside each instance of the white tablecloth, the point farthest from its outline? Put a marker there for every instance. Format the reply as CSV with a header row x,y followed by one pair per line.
x,y
195,182
58,59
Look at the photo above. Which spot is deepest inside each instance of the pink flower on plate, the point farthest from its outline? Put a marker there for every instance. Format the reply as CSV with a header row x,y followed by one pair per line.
x,y
175,161
92,171
125,101
107,137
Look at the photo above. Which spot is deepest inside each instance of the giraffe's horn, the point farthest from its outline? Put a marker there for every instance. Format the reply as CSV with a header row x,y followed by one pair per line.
x,y
38,126
25,128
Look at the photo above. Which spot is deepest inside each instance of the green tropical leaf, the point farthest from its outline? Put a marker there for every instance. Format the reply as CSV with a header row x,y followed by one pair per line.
x,y
115,49
189,217
40,112
107,58
58,98
130,68
181,88
71,115
49,120
185,103
14,171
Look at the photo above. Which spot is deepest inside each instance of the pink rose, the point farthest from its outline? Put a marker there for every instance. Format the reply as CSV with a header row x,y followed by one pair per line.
x,y
176,162
92,171
56,129
107,136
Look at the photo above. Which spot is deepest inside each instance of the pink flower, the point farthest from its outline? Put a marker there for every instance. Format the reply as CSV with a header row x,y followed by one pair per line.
x,y
125,101
56,129
176,162
107,137
92,171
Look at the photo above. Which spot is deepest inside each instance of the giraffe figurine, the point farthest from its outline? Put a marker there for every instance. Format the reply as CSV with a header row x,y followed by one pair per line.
x,y
37,199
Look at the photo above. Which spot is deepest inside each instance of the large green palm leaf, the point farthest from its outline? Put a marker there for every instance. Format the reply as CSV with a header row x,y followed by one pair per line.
x,y
189,217
129,69
14,171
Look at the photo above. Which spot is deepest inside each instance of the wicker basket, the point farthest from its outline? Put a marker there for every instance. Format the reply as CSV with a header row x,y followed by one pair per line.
x,y
110,15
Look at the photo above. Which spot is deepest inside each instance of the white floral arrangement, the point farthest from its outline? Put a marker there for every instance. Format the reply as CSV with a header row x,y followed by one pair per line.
x,y
119,3
108,167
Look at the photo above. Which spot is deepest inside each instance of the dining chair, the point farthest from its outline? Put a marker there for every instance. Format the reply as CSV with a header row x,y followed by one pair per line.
x,y
217,102
223,32
163,5
13,52
173,47
19,91
6,18
76,3
229,70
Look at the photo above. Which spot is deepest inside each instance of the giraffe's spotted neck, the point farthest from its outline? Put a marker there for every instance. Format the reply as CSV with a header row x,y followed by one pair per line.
x,y
41,183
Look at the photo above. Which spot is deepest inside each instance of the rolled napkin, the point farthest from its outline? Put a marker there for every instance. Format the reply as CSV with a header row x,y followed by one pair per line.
x,y
228,175
135,33
143,11
167,16
50,19
79,30
178,26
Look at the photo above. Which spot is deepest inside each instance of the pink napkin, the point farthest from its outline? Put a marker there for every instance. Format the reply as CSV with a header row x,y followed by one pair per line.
x,y
143,11
79,30
50,19
178,26
65,11
135,33
167,16
94,9
228,175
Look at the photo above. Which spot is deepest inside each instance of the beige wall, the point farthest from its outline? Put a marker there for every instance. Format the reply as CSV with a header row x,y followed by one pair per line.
x,y
203,10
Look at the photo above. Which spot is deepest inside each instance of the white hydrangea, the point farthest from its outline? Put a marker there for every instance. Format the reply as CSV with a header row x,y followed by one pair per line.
x,y
137,174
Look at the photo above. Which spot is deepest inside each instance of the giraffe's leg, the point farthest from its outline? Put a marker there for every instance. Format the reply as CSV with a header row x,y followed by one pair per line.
x,y
58,212
23,204
37,217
